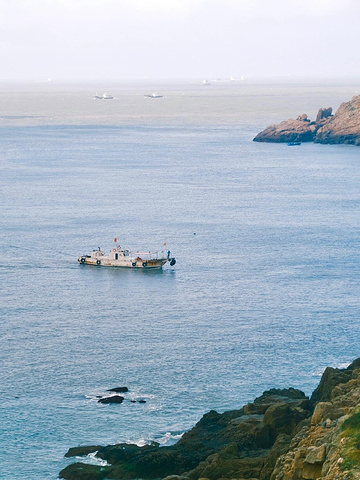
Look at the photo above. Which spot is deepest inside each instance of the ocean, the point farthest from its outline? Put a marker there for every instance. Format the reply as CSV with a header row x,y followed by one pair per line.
x,y
265,291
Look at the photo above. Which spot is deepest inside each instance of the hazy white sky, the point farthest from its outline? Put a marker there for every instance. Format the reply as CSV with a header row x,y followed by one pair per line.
x,y
122,39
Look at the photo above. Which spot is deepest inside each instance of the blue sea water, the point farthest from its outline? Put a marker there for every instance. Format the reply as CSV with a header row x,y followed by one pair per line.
x,y
265,292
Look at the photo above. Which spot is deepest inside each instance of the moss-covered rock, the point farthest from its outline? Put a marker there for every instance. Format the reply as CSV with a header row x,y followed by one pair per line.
x,y
83,471
81,451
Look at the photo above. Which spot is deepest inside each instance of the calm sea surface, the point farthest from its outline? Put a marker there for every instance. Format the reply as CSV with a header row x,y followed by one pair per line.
x,y
265,292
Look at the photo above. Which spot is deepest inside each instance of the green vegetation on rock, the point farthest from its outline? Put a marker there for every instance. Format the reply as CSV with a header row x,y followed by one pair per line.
x,y
351,436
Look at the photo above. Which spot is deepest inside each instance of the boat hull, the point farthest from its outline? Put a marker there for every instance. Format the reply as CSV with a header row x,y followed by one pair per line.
x,y
123,263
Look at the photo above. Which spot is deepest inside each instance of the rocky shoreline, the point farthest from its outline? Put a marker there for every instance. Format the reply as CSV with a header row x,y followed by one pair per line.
x,y
342,127
282,435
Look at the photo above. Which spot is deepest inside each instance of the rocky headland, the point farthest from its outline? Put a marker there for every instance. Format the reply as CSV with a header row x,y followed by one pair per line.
x,y
281,435
342,127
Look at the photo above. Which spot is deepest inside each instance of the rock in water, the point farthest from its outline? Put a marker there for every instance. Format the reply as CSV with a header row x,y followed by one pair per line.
x,y
112,399
291,130
281,435
343,127
118,389
323,113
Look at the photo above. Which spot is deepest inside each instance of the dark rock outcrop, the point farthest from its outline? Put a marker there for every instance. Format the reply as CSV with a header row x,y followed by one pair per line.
x,y
282,435
112,399
118,390
231,441
329,380
81,451
323,113
343,127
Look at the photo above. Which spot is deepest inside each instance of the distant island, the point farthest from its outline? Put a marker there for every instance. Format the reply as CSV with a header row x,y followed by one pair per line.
x,y
281,435
342,127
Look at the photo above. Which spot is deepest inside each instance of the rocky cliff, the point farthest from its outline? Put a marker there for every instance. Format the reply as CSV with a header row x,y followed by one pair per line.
x,y
343,127
282,435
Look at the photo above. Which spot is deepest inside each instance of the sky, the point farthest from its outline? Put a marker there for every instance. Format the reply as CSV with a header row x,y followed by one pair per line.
x,y
92,40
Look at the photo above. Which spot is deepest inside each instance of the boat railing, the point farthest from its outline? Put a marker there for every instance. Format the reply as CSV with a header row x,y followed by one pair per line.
x,y
148,255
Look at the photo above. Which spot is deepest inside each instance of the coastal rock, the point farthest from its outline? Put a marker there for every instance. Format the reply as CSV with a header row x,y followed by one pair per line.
x,y
217,445
178,477
323,113
273,396
283,418
84,471
288,131
325,448
303,118
81,451
229,464
280,447
330,378
277,437
343,127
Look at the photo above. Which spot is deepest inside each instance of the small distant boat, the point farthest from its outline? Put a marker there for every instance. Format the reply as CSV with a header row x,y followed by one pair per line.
x,y
154,95
293,144
105,96
119,257
206,82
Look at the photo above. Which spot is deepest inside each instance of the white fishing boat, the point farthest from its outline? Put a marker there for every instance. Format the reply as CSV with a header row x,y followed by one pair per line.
x,y
154,95
104,96
119,257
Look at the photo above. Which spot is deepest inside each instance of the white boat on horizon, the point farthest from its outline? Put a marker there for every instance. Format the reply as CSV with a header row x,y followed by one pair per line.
x,y
119,257
154,95
104,96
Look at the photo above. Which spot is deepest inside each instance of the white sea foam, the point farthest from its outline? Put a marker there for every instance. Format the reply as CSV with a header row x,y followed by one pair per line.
x,y
169,439
341,365
142,442
92,459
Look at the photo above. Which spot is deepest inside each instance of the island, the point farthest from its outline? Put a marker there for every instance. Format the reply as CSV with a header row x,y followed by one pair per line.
x,y
342,127
281,435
